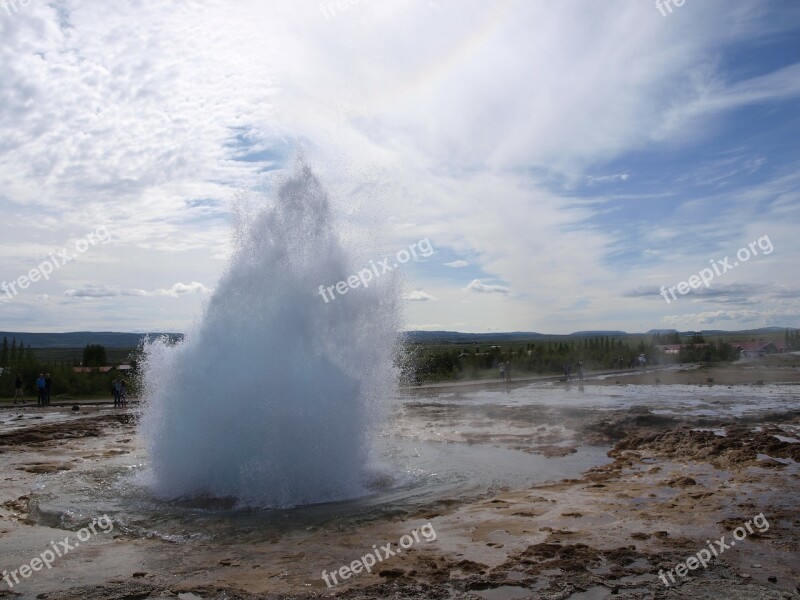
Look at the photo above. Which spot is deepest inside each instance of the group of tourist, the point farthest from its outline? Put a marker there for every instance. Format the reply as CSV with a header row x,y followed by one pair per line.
x,y
44,385
568,371
118,388
505,371
635,362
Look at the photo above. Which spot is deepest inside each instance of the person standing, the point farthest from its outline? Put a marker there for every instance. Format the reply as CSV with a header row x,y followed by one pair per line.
x,y
48,386
123,399
502,371
18,389
116,389
580,370
508,370
40,385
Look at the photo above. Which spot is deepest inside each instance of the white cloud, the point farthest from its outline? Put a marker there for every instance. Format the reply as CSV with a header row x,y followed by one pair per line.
x,y
457,264
418,296
477,286
176,290
608,178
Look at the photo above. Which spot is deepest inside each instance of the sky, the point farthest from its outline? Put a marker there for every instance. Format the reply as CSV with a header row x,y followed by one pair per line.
x,y
564,160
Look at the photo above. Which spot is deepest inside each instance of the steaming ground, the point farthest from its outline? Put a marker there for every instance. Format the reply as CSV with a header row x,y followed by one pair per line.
x,y
535,490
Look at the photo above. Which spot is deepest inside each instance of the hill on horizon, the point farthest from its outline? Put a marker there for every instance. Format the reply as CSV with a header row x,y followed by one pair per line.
x,y
79,339
459,337
111,339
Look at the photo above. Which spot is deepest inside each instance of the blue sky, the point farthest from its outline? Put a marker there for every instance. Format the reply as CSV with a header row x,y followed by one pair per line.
x,y
565,160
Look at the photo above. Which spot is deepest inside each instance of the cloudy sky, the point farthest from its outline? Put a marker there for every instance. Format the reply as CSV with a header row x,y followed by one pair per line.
x,y
564,159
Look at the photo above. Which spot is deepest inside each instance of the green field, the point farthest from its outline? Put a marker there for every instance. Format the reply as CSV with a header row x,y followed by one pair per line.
x,y
73,356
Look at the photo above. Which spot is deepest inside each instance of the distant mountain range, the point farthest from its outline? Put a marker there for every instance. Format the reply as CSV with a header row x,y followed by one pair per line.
x,y
517,336
79,339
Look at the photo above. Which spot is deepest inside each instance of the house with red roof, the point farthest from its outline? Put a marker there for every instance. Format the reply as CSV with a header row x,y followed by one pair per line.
x,y
757,349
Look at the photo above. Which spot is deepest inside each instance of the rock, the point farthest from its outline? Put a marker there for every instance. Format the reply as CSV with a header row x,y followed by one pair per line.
x,y
682,482
391,573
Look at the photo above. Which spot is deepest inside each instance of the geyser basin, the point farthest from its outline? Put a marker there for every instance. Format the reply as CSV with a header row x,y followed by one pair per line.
x,y
438,446
272,398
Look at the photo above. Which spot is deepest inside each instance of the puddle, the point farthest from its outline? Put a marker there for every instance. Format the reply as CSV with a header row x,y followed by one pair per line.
x,y
785,461
601,569
643,578
505,592
596,593
640,564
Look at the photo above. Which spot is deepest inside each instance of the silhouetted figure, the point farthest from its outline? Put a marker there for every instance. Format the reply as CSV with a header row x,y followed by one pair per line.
x,y
40,385
48,387
18,389
580,370
115,387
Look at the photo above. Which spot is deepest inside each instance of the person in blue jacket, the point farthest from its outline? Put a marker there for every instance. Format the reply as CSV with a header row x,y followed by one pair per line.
x,y
40,385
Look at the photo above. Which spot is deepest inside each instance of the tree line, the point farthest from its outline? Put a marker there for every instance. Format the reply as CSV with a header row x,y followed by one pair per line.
x,y
422,364
16,358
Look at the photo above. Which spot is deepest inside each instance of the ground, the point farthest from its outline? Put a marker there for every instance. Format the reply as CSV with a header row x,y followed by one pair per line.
x,y
673,487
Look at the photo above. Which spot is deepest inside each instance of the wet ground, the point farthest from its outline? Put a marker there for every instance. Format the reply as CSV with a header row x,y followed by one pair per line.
x,y
534,490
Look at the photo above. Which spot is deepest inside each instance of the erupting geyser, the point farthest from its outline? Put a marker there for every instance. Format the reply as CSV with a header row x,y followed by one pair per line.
x,y
272,397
